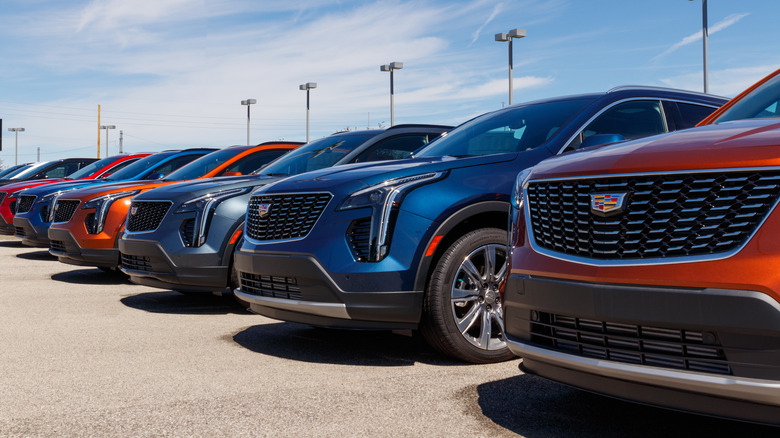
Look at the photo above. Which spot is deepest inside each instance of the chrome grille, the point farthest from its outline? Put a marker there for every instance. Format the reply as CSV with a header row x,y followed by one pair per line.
x,y
270,286
64,209
146,215
665,215
137,263
25,203
359,235
289,216
653,346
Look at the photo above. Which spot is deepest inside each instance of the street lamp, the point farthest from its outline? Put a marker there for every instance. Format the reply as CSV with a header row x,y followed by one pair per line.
x,y
107,127
514,33
307,86
704,34
390,67
16,132
247,103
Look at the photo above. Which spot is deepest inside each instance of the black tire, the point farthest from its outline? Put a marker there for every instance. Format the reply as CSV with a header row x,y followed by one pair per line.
x,y
479,337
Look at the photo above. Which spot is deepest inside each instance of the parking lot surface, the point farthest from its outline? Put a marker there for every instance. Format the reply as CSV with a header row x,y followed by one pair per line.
x,y
85,353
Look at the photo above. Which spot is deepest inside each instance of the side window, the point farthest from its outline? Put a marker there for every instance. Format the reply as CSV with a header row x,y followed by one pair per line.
x,y
691,114
634,119
119,166
170,166
62,170
252,162
393,148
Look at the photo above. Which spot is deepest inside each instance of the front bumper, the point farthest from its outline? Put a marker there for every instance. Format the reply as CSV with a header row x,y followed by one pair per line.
x,y
67,250
147,263
708,351
296,287
30,234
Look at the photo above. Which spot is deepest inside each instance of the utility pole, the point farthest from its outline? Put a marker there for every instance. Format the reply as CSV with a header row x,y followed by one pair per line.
x,y
39,154
98,150
121,133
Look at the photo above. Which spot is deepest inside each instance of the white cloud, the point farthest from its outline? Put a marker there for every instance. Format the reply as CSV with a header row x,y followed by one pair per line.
x,y
726,82
496,10
723,24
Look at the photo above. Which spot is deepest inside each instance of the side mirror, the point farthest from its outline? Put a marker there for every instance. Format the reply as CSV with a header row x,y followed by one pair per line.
x,y
599,139
233,173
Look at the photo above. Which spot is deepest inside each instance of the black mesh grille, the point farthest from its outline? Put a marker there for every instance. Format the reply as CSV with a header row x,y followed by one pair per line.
x,y
286,216
25,203
137,263
57,245
358,236
13,205
64,209
19,232
654,346
269,286
2,196
146,215
44,213
664,215
187,232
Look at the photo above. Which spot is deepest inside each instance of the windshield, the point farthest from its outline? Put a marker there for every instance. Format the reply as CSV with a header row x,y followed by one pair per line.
x,y
763,102
32,170
13,170
511,130
203,165
91,168
318,154
139,167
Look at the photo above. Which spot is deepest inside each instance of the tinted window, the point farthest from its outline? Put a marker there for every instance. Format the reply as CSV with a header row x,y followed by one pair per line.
x,y
203,165
512,130
61,171
169,166
691,114
634,119
119,167
317,154
32,170
91,168
763,102
393,148
139,167
255,161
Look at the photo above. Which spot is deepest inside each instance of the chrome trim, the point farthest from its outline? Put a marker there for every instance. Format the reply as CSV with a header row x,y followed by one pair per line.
x,y
271,242
740,388
648,261
330,310
630,99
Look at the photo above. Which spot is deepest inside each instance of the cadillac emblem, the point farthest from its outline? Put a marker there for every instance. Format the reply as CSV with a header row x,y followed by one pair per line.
x,y
264,209
607,204
133,210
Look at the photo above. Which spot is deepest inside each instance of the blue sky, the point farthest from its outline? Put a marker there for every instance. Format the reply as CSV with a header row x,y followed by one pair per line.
x,y
172,73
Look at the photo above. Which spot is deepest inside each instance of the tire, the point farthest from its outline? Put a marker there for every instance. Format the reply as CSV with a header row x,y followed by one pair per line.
x,y
462,313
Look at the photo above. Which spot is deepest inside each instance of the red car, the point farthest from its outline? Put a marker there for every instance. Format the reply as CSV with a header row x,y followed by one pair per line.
x,y
67,170
648,270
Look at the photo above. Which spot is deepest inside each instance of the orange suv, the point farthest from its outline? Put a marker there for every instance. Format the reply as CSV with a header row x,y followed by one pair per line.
x,y
87,222
648,270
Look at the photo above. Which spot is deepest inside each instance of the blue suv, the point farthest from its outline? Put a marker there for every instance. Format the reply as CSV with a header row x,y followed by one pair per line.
x,y
421,243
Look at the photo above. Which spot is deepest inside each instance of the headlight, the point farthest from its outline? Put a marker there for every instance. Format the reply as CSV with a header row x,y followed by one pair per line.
x,y
385,199
516,221
517,190
102,204
204,207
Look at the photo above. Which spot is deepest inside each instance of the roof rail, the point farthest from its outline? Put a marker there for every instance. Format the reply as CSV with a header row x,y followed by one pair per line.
x,y
654,87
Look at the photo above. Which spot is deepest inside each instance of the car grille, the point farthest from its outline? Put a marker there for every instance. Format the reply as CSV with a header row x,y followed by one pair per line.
x,y
19,231
187,232
136,263
2,196
13,205
146,215
57,245
665,215
289,216
269,286
25,203
64,209
653,346
359,235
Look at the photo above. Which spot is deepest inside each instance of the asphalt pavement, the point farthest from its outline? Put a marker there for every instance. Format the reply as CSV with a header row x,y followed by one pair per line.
x,y
86,353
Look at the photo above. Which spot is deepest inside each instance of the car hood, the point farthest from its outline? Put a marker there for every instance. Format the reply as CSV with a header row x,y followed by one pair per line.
x,y
104,189
44,190
366,174
184,191
744,143
14,186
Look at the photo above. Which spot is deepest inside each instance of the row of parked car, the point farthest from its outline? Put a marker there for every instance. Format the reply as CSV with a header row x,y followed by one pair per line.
x,y
615,266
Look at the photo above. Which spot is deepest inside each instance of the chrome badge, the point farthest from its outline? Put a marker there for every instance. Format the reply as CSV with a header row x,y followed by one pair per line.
x,y
264,209
607,204
133,210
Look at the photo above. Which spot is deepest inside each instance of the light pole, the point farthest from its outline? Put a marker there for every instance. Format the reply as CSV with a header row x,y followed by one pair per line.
x,y
514,33
16,132
107,127
248,102
704,34
307,86
390,67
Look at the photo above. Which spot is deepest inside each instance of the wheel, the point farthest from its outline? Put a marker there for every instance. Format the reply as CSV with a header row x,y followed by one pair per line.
x,y
462,313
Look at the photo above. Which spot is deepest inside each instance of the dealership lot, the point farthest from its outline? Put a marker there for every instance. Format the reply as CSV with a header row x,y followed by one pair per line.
x,y
85,353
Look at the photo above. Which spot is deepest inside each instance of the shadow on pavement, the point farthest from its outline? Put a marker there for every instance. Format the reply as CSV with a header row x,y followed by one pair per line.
x,y
36,255
341,347
12,244
177,303
90,276
534,407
